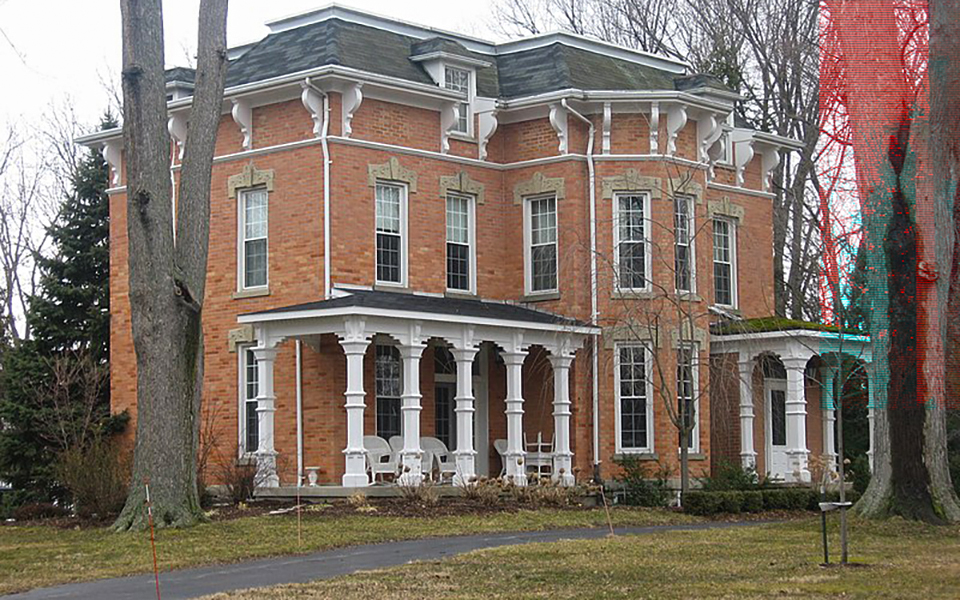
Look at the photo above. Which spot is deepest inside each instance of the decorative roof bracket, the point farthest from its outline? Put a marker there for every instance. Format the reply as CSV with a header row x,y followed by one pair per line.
x,y
352,98
769,159
313,101
177,126
243,116
676,119
112,153
709,131
486,125
558,120
743,151
449,117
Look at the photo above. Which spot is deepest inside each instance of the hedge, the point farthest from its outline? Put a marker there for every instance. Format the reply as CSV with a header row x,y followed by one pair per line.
x,y
704,503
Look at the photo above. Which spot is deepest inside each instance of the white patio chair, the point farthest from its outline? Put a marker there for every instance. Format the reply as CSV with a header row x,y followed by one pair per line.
x,y
426,463
501,447
380,458
441,456
539,455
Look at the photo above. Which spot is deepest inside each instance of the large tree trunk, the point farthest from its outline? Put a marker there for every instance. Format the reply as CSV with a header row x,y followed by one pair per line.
x,y
167,274
890,137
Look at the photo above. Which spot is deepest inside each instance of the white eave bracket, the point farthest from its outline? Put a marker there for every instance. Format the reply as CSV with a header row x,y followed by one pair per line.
x,y
558,120
352,98
709,130
486,124
243,117
449,117
676,119
112,153
742,141
313,101
177,126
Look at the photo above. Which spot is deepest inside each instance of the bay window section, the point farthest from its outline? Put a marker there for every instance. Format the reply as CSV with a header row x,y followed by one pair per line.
x,y
459,243
683,243
724,262
253,232
389,387
390,227
630,239
542,251
634,411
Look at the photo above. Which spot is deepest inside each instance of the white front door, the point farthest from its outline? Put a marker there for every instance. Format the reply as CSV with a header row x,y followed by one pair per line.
x,y
776,434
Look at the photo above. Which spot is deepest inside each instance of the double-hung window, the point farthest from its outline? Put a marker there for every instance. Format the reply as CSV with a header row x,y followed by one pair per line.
x,y
389,389
686,393
459,243
391,226
724,262
458,80
253,232
683,243
249,388
634,410
630,239
542,244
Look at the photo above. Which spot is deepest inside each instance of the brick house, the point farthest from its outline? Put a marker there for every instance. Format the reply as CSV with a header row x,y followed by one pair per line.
x,y
472,242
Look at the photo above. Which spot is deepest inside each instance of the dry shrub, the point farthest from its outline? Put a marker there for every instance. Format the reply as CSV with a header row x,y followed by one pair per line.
x,y
484,491
425,494
239,479
97,476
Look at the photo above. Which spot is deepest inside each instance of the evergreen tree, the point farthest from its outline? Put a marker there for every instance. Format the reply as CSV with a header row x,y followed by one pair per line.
x,y
69,317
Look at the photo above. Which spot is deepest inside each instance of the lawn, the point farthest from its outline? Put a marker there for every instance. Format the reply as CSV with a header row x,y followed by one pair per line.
x,y
894,559
35,556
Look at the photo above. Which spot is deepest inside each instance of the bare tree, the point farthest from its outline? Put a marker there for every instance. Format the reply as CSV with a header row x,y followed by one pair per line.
x,y
167,272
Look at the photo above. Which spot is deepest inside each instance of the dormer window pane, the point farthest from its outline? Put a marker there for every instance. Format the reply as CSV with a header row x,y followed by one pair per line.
x,y
458,80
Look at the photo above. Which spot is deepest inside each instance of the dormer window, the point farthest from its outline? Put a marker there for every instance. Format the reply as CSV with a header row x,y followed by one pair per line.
x,y
458,80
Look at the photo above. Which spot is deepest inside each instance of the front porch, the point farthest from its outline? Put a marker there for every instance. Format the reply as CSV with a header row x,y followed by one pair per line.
x,y
462,337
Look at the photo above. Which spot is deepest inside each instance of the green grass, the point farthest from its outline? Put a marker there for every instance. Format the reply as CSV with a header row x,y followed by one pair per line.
x,y
896,560
41,556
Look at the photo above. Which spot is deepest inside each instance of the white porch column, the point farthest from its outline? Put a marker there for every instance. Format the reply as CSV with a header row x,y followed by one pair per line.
x,y
465,454
828,406
515,467
562,456
355,342
748,456
266,454
411,454
796,409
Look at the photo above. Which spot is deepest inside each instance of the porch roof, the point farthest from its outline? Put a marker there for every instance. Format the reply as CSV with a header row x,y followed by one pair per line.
x,y
383,303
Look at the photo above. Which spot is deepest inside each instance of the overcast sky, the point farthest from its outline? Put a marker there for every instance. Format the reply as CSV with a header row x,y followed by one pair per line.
x,y
54,49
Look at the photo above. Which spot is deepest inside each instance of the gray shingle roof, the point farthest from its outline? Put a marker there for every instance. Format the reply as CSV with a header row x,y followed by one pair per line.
x,y
431,304
535,71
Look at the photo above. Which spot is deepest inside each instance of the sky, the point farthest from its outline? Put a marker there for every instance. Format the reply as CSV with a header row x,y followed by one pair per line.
x,y
55,51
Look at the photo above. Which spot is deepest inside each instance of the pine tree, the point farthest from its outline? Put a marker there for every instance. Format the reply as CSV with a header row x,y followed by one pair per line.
x,y
68,317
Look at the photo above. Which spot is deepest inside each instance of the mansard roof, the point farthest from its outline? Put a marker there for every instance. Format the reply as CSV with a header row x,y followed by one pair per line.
x,y
539,65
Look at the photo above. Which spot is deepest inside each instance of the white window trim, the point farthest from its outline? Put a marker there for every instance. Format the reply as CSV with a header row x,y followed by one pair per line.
x,y
691,244
527,251
404,254
242,401
241,241
695,375
734,295
471,239
471,94
648,366
647,254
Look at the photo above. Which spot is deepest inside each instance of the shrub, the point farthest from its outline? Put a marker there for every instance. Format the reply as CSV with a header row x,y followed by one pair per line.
x,y
96,476
425,494
752,501
731,501
239,480
858,471
642,484
730,476
483,491
35,511
790,499
699,502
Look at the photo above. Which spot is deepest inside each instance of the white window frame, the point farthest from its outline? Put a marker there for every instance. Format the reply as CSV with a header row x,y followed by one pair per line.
x,y
528,250
468,100
404,254
471,241
242,240
732,229
691,243
242,399
647,254
695,390
385,343
648,367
